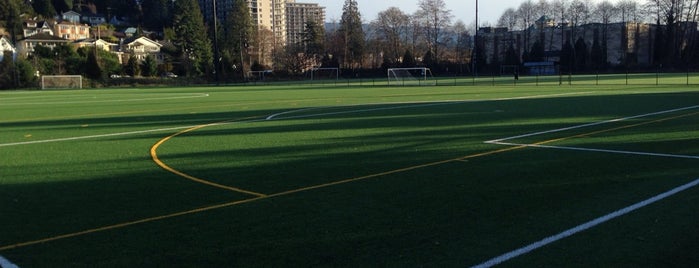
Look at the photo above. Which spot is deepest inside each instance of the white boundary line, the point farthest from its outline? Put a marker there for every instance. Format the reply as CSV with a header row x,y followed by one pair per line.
x,y
5,263
94,99
598,150
277,115
590,224
592,124
585,226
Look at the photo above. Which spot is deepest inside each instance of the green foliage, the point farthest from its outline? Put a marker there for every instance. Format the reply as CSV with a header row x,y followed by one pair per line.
x,y
149,68
10,11
133,67
352,34
157,14
191,38
44,8
26,74
408,59
314,38
18,74
236,35
93,70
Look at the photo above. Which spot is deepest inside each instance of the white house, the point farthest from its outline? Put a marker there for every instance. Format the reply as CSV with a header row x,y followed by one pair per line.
x,y
6,45
141,47
32,27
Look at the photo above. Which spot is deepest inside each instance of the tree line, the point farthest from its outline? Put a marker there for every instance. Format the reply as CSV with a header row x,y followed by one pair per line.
x,y
673,24
429,37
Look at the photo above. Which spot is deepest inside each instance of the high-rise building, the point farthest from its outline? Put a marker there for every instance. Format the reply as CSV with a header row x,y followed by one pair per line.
x,y
297,14
265,14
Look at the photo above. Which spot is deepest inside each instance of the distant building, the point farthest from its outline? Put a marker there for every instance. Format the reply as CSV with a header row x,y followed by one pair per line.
x,y
71,16
25,47
32,27
297,15
6,46
141,47
625,42
265,14
72,31
98,43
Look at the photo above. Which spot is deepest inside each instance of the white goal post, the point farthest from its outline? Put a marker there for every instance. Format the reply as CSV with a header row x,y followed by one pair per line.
x,y
61,82
406,76
327,73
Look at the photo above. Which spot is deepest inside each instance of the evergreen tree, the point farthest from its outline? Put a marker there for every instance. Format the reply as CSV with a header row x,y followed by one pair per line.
x,y
10,11
580,55
191,38
149,67
352,34
62,5
156,14
511,57
133,68
314,39
44,8
93,70
537,53
566,59
408,60
237,34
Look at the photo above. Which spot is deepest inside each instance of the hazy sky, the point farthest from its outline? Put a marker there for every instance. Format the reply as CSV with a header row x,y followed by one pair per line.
x,y
465,10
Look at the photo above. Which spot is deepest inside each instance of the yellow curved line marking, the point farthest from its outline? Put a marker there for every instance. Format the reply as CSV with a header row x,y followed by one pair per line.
x,y
156,159
289,192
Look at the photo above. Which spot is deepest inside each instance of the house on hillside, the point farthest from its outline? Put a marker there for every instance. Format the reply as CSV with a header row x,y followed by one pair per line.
x,y
71,16
25,47
32,27
93,18
141,47
72,31
6,46
98,43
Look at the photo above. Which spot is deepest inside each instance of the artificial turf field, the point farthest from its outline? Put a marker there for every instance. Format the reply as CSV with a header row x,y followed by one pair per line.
x,y
352,176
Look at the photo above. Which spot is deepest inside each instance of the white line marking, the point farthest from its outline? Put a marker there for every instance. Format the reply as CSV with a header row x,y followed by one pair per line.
x,y
93,136
413,104
188,96
592,124
598,150
585,226
5,263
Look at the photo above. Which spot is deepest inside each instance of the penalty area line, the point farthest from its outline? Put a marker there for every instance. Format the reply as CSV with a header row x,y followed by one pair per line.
x,y
585,226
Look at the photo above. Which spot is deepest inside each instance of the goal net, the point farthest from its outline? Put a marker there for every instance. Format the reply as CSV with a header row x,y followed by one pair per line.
x,y
410,76
259,75
325,74
61,82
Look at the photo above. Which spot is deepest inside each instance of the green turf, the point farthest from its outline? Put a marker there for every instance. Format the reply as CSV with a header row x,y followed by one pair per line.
x,y
353,176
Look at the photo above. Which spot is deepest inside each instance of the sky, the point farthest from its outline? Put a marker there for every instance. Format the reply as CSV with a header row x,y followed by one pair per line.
x,y
465,10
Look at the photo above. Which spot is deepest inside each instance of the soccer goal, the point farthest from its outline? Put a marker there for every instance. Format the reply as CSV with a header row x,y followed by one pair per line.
x,y
61,82
259,75
410,76
326,73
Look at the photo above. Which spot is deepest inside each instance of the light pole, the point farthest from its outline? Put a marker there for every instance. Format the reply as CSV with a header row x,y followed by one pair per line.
x,y
216,53
475,46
